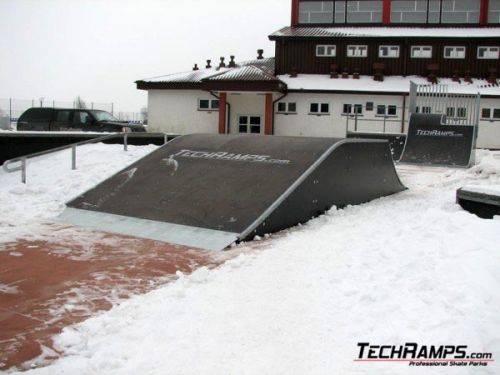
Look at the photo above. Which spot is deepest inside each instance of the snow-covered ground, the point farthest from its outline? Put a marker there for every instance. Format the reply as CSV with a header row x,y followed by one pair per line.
x,y
412,267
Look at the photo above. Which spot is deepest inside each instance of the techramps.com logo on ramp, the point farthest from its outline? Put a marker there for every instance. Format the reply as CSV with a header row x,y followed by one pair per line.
x,y
417,355
438,133
222,155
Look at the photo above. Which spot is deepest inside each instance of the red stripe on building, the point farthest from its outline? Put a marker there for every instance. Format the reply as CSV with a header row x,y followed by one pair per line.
x,y
295,12
268,119
222,112
386,12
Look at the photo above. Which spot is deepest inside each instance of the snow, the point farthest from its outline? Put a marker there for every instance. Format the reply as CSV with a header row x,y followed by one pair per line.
x,y
488,190
26,208
412,267
390,84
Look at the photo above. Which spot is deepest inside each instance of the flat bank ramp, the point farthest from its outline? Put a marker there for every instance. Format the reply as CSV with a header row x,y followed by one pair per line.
x,y
209,191
430,143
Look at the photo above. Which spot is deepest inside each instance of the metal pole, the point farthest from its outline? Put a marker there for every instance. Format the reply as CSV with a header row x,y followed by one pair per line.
x,y
165,139
73,157
385,117
23,171
125,141
355,120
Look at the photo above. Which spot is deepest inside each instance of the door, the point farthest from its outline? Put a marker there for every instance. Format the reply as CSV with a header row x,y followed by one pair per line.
x,y
61,120
249,124
83,121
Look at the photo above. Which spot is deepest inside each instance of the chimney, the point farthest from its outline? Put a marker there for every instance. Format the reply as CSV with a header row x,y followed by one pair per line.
x,y
196,67
222,64
208,64
260,54
232,63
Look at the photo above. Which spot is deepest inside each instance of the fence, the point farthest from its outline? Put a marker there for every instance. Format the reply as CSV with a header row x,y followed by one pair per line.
x,y
375,119
13,108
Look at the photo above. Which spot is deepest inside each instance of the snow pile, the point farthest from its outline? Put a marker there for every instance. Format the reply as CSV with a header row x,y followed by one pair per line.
x,y
51,183
412,267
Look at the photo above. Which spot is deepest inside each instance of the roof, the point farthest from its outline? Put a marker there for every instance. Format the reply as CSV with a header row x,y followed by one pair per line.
x,y
261,69
332,32
390,85
244,73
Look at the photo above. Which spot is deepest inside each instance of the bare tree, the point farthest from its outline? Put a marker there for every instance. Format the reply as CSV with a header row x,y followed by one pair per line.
x,y
80,103
144,115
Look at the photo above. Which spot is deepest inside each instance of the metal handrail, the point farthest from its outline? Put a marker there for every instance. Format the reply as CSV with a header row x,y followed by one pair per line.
x,y
7,165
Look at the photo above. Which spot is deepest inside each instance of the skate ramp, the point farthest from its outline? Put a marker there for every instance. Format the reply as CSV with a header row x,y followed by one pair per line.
x,y
209,191
430,143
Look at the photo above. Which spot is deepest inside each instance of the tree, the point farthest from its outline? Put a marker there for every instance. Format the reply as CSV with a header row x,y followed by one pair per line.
x,y
144,115
79,103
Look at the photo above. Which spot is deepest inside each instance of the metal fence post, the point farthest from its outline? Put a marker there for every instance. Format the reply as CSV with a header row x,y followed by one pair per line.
x,y
23,171
73,157
165,139
125,141
355,121
385,118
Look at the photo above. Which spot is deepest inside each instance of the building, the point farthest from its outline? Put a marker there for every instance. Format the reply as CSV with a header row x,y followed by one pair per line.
x,y
343,66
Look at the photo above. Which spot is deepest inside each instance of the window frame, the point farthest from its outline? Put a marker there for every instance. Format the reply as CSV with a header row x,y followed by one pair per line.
x,y
421,49
357,48
326,47
454,50
389,48
287,110
249,124
489,48
211,107
320,112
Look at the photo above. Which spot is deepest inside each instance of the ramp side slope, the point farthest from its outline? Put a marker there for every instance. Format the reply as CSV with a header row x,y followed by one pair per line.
x,y
209,191
430,143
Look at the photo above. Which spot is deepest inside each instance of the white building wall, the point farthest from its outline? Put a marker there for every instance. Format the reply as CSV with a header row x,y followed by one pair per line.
x,y
335,124
176,112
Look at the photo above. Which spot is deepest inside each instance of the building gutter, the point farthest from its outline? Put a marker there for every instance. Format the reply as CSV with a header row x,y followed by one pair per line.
x,y
274,112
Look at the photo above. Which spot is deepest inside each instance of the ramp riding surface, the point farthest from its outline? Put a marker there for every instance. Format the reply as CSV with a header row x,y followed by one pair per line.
x,y
209,191
430,143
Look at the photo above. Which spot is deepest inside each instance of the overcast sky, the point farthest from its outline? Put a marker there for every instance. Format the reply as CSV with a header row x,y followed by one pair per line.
x,y
58,49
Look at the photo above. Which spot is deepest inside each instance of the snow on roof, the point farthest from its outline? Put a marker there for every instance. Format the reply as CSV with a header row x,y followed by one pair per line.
x,y
319,82
244,73
329,32
260,69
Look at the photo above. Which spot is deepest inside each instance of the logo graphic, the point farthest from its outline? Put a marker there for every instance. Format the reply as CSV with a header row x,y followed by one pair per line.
x,y
266,159
439,133
423,355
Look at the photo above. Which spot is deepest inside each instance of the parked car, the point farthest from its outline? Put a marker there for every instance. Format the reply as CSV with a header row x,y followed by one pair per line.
x,y
60,119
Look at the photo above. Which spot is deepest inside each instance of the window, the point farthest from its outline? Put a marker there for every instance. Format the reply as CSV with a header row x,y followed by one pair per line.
x,y
486,113
421,52
494,11
326,50
369,106
249,124
319,109
489,113
461,112
390,110
286,108
364,11
460,11
424,109
352,109
454,52
316,12
81,117
450,112
63,116
488,52
409,11
208,104
357,51
388,51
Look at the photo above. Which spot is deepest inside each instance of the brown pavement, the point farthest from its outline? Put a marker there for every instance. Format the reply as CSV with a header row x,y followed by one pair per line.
x,y
46,285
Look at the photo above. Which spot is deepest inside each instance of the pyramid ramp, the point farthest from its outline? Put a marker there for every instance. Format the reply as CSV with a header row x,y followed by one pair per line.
x,y
209,191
